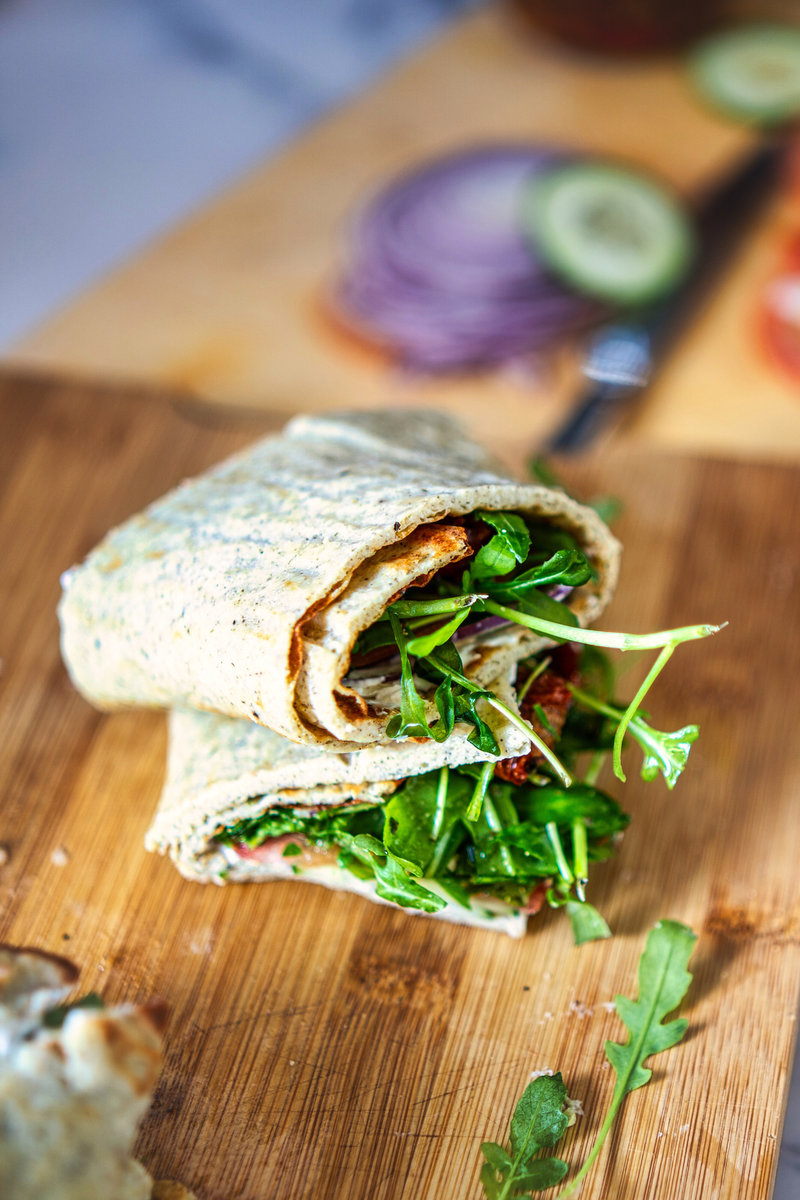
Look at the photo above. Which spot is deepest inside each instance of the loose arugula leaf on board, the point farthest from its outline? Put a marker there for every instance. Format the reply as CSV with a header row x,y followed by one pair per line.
x,y
587,923
663,982
538,1122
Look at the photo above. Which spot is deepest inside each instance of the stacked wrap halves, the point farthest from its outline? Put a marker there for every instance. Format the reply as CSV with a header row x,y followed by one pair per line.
x,y
236,599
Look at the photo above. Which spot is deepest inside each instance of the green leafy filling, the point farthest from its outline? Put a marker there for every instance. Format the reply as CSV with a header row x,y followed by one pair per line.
x,y
424,832
510,577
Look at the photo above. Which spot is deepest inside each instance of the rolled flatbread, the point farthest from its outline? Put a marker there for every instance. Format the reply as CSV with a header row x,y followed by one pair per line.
x,y
221,771
243,591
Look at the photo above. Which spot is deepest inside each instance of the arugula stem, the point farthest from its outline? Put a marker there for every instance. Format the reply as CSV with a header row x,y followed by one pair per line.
x,y
601,637
441,800
595,767
538,670
553,836
496,825
630,711
580,855
433,608
478,796
533,737
515,719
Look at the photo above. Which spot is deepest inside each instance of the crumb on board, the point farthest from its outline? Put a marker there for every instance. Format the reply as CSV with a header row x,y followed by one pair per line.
x,y
60,856
543,1071
580,1010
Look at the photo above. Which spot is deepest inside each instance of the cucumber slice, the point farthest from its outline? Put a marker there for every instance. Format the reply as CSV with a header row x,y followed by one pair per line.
x,y
751,73
609,231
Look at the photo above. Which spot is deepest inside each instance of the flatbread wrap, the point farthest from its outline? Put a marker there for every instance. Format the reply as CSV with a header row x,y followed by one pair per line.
x,y
391,822
249,590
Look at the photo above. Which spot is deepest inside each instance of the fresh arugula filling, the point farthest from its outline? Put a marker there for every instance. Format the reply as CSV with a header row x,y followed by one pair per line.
x,y
516,576
423,832
518,565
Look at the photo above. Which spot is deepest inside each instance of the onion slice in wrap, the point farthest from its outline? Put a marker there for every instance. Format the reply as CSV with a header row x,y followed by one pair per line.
x,y
244,590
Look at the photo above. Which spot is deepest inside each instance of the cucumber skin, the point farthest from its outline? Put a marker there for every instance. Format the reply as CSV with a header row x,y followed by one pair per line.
x,y
550,251
703,66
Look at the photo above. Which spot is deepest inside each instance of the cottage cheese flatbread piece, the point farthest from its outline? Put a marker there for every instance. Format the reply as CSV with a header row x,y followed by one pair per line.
x,y
71,1098
243,590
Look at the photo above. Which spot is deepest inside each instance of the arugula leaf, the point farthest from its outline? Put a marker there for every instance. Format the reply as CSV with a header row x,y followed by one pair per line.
x,y
432,608
539,1119
414,827
392,874
664,753
587,923
423,643
411,721
663,982
512,532
538,1122
570,567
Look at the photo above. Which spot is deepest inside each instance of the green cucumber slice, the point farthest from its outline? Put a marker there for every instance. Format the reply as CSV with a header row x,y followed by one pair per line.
x,y
751,73
608,231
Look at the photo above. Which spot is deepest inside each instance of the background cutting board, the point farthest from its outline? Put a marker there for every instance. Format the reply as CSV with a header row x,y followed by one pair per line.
x,y
230,305
322,1046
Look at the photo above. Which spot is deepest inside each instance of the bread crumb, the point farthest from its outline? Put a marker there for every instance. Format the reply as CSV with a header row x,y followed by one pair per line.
x,y
684,1128
60,856
544,1071
609,1006
580,1010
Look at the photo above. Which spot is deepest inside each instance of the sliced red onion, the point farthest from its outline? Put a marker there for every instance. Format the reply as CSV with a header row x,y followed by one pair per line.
x,y
440,273
482,626
560,591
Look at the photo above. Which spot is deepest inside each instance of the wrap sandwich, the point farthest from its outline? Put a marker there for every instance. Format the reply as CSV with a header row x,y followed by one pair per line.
x,y
390,822
260,589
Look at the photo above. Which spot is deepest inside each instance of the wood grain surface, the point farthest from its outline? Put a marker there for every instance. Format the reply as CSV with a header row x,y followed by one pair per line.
x,y
231,304
321,1046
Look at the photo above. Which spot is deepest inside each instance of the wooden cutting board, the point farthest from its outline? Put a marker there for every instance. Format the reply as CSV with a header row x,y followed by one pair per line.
x,y
323,1046
230,305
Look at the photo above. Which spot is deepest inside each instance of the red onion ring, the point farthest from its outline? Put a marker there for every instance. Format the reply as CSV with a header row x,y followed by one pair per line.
x,y
440,273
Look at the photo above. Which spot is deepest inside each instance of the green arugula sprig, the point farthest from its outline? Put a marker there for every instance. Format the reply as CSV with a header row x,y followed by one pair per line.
x,y
664,753
540,1118
505,579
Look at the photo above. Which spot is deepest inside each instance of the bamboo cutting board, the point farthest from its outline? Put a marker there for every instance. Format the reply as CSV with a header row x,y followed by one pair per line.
x,y
320,1046
230,306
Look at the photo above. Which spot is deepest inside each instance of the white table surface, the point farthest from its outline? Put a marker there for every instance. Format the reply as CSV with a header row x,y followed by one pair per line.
x,y
117,117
